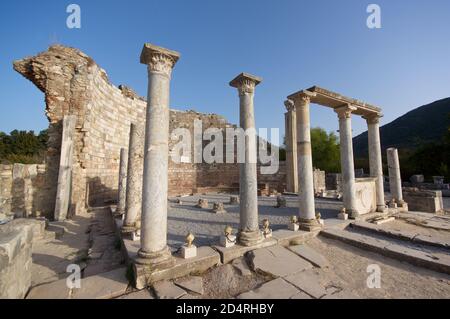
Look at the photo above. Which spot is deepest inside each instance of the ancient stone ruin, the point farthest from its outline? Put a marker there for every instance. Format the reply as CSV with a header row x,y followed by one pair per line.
x,y
109,188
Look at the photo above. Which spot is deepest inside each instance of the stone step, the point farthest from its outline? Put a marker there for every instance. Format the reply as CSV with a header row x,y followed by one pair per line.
x,y
402,235
435,261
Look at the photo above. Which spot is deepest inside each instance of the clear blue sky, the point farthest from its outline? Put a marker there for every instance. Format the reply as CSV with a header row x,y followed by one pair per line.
x,y
291,44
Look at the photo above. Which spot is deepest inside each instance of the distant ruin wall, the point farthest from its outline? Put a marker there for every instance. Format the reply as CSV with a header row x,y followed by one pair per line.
x,y
74,84
23,189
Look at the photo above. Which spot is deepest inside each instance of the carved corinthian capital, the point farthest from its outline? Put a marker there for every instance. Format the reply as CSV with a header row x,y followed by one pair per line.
x,y
159,60
373,118
345,112
245,83
290,105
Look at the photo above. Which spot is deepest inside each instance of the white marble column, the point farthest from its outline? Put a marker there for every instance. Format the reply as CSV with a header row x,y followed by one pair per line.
x,y
154,251
375,161
123,164
64,187
291,147
347,163
249,233
395,178
307,210
134,178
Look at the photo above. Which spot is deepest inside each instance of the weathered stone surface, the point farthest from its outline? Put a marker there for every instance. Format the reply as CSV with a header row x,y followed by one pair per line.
x,y
286,237
241,265
231,253
301,295
275,289
192,284
142,294
310,255
15,259
276,261
343,294
103,286
309,282
54,290
168,290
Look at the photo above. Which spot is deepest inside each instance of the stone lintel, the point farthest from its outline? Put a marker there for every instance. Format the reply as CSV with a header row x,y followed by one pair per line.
x,y
150,49
286,237
237,81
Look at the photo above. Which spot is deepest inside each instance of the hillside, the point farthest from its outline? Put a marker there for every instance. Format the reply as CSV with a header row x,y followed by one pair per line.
x,y
427,123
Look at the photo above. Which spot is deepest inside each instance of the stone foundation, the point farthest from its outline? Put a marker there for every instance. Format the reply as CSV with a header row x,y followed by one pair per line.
x,y
423,200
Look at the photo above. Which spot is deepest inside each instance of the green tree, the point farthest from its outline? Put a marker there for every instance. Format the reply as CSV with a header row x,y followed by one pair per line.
x,y
325,150
23,147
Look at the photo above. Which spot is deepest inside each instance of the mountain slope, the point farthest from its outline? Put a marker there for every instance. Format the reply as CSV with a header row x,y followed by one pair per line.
x,y
425,124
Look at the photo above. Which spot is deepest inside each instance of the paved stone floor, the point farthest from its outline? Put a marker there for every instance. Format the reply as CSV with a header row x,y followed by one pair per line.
x,y
208,226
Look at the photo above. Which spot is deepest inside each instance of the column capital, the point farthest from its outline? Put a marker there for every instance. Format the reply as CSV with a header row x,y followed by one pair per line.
x,y
373,118
301,97
158,59
290,105
245,83
345,111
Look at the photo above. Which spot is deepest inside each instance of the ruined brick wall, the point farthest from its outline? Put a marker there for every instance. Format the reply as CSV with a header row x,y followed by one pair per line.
x,y
74,84
22,189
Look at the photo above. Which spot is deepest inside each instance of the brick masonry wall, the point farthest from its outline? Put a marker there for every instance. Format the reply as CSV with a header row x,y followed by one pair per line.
x,y
74,84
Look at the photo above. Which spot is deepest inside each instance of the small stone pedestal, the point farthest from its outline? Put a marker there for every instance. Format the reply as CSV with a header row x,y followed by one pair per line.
x,y
343,216
188,252
218,208
281,202
228,241
293,227
234,200
202,203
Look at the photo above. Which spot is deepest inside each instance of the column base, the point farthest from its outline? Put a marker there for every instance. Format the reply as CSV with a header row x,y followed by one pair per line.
x,y
309,225
128,229
250,238
352,214
158,260
381,209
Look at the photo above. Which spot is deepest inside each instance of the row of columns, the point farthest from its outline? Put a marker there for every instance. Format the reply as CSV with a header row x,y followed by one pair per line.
x,y
153,220
299,160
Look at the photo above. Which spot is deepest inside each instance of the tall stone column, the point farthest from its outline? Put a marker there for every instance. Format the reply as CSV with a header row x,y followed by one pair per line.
x,y
395,178
347,164
134,178
291,147
249,234
154,251
307,209
375,161
64,187
123,164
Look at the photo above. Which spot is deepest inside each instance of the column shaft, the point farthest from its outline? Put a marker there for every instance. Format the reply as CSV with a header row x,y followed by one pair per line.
x,y
154,250
249,234
307,212
395,178
134,178
291,148
375,161
123,164
347,164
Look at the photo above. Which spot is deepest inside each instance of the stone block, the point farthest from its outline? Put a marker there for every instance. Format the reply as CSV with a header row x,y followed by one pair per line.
x,y
188,252
310,255
228,241
276,261
168,290
275,289
287,237
193,284
308,281
293,227
103,286
143,276
231,253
